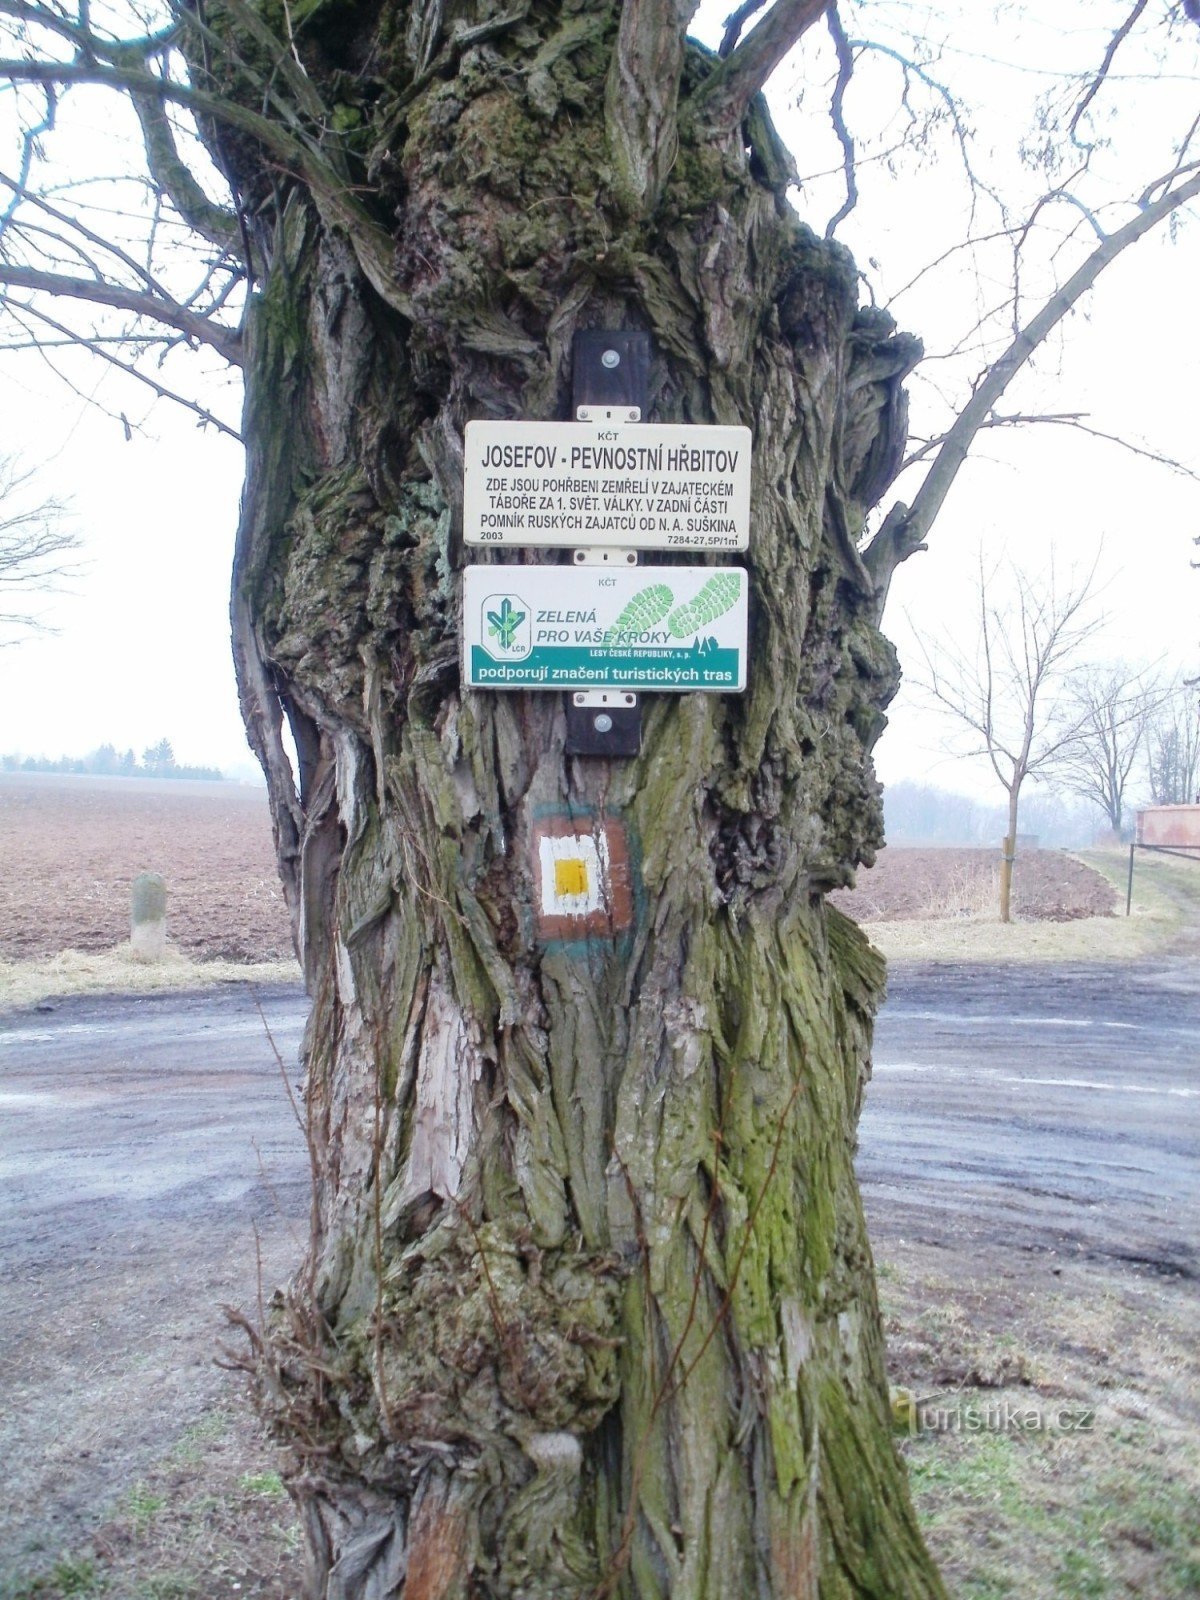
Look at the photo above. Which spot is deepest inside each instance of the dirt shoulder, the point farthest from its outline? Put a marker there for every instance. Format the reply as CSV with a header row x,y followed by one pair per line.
x,y
1165,918
119,972
1049,1413
1028,1170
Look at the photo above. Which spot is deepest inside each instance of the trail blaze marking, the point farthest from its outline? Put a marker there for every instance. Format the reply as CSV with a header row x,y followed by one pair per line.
x,y
581,877
570,876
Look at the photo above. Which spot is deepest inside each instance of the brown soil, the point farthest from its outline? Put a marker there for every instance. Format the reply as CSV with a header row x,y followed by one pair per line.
x,y
72,846
935,884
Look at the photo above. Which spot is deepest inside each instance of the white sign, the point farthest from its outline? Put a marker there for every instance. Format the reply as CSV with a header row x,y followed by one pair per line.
x,y
653,486
640,629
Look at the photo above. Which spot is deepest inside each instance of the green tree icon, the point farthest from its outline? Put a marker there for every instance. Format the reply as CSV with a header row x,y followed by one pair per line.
x,y
504,624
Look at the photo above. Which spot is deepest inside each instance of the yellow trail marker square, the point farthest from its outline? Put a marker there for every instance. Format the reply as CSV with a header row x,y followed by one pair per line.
x,y
570,876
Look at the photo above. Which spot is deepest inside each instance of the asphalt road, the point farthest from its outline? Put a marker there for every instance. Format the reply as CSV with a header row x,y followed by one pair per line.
x,y
152,1168
122,1114
1039,1108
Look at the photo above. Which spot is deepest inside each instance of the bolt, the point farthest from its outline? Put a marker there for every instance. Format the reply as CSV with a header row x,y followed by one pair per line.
x,y
611,359
602,722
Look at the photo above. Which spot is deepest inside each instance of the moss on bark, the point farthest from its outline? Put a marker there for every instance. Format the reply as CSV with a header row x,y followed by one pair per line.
x,y
588,1307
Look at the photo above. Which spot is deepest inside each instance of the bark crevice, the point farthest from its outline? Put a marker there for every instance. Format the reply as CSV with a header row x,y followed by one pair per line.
x,y
588,1308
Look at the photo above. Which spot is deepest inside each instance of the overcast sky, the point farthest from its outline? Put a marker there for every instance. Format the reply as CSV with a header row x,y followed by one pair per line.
x,y
143,646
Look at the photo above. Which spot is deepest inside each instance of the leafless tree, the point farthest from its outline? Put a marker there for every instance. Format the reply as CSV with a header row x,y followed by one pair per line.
x,y
1009,689
1173,747
1114,705
35,549
587,1258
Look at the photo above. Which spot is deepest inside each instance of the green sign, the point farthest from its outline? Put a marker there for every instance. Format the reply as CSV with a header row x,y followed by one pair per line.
x,y
640,629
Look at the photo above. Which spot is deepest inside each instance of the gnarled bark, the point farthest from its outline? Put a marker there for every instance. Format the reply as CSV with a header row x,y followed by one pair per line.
x,y
589,1306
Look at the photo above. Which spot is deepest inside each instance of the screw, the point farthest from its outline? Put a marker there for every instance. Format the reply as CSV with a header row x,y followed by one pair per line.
x,y
602,722
611,359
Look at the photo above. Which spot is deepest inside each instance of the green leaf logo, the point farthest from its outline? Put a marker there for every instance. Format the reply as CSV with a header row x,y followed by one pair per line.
x,y
503,624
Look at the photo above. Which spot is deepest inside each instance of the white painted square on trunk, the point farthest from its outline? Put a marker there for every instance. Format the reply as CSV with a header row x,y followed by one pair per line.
x,y
574,875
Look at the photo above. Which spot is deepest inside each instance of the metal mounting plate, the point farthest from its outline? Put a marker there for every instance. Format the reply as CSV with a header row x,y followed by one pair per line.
x,y
611,383
603,723
603,698
598,555
608,413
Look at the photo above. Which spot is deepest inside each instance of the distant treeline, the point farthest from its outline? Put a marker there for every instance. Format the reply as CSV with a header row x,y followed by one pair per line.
x,y
918,813
158,761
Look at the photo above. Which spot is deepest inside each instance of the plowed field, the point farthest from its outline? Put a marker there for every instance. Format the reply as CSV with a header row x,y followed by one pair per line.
x,y
70,848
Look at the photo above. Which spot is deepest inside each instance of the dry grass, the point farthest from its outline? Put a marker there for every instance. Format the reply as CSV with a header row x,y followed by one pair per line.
x,y
964,895
1100,1512
118,971
210,1521
1166,902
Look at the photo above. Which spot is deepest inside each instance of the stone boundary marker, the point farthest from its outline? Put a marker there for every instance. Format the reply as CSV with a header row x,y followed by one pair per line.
x,y
148,917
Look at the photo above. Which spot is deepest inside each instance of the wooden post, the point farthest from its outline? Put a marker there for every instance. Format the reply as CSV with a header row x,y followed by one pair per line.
x,y
1129,891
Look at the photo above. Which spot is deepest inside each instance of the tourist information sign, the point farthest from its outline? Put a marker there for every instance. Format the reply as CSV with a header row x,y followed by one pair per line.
x,y
640,629
649,486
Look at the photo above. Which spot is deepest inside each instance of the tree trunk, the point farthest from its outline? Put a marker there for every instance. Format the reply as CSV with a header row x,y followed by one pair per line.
x,y
588,1306
1009,859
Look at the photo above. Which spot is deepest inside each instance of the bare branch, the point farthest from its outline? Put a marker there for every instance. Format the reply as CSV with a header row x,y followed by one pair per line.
x,y
29,139
722,100
53,22
340,207
34,546
89,44
905,527
225,340
953,109
940,260
21,192
735,22
82,341
1064,419
642,93
175,178
1114,44
837,115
